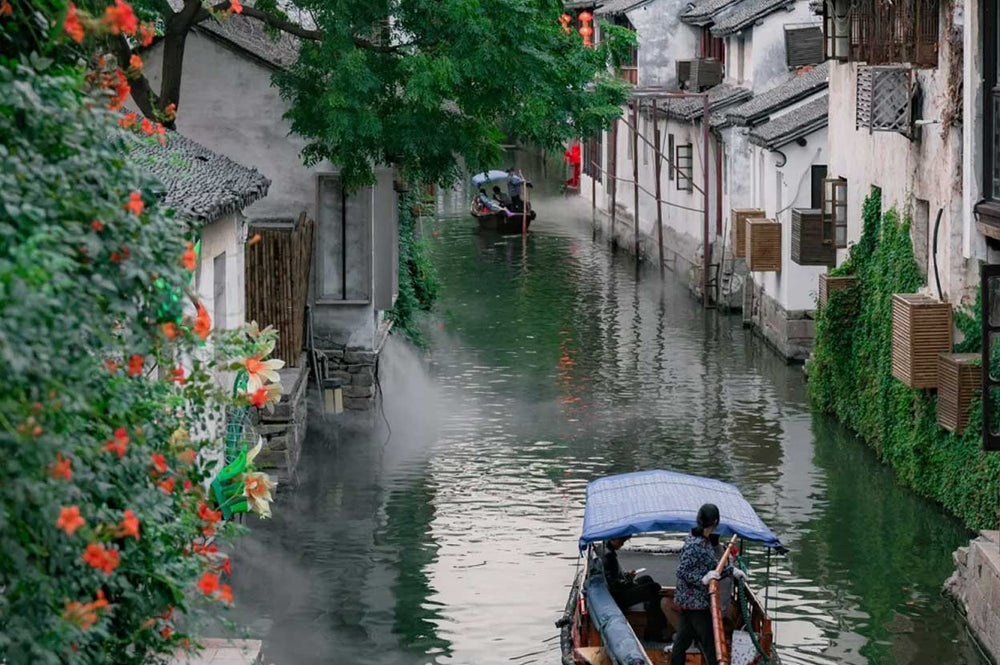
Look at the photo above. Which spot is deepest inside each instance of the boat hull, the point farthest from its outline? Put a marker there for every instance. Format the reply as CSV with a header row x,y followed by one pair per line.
x,y
499,221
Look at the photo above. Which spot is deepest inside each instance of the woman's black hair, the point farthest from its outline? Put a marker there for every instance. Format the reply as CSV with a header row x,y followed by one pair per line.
x,y
708,515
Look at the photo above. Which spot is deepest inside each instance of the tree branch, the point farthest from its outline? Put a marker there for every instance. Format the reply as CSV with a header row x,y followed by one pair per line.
x,y
142,92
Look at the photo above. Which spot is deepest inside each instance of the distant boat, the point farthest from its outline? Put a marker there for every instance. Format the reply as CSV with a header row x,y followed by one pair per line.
x,y
595,631
494,216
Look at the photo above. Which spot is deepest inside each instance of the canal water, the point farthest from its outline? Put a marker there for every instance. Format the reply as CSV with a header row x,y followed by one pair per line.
x,y
449,534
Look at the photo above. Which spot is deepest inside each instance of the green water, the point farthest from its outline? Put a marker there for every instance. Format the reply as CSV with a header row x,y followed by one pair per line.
x,y
552,363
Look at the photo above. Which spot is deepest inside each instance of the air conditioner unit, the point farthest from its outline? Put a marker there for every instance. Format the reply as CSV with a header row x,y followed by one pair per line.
x,y
705,73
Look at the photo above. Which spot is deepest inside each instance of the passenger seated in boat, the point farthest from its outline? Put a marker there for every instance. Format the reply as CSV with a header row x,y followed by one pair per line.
x,y
629,590
500,197
488,204
695,571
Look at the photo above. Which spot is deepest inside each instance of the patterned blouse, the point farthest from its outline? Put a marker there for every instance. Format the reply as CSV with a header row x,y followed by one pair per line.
x,y
697,559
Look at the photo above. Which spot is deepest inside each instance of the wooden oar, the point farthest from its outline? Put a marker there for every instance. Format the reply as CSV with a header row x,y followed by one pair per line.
x,y
721,647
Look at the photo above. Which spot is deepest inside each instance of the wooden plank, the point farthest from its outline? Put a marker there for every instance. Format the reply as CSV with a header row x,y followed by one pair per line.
x,y
921,330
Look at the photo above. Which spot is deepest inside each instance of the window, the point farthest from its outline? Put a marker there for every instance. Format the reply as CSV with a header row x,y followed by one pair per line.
x,y
989,209
835,211
816,194
741,50
592,157
882,32
712,47
670,156
685,167
885,100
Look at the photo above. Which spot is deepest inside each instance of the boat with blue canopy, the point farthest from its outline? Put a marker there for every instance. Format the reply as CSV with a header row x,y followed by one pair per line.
x,y
498,207
663,506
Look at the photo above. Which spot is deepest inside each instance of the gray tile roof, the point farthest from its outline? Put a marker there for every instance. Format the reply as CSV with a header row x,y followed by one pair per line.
x,y
798,87
701,12
719,97
792,125
618,7
197,182
248,35
747,13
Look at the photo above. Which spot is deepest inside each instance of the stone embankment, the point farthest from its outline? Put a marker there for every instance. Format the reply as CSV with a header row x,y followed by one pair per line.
x,y
975,588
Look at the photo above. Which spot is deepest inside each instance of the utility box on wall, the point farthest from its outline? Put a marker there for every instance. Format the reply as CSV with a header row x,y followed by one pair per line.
x,y
921,330
959,379
738,220
811,245
763,245
832,283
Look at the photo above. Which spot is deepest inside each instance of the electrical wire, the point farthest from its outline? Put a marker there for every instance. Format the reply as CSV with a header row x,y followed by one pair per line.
x,y
802,179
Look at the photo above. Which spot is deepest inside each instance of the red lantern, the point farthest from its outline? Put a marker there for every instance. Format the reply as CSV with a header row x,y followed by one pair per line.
x,y
585,30
565,20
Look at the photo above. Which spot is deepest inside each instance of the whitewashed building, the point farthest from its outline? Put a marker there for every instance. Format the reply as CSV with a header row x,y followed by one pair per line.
x,y
756,60
229,103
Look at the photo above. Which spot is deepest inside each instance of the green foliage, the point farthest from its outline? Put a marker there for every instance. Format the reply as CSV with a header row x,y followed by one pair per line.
x,y
450,82
851,377
85,286
418,282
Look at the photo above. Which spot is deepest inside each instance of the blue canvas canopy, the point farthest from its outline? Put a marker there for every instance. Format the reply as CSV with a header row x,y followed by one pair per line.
x,y
488,176
664,501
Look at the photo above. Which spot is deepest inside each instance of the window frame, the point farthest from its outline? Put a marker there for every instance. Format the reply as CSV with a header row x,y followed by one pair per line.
x,y
834,211
685,168
991,95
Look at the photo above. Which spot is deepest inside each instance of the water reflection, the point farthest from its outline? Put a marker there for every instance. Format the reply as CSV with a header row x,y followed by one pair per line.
x,y
557,362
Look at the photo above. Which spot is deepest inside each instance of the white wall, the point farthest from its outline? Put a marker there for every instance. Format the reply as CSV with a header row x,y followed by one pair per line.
x,y
785,187
765,46
929,169
973,243
228,104
224,237
663,39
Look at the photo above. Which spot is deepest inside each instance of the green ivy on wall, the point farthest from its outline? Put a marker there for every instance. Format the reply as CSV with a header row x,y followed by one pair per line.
x,y
418,282
850,376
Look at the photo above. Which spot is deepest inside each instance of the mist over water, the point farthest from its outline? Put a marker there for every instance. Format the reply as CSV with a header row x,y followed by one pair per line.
x,y
453,540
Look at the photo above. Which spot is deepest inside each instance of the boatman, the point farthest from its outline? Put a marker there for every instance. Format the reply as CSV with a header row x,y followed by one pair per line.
x,y
696,570
629,590
514,186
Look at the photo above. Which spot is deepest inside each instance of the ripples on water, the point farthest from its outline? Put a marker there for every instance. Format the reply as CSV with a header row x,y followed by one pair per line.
x,y
555,363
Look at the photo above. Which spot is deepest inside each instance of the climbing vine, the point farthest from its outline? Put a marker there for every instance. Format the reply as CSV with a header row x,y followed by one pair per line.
x,y
851,376
418,282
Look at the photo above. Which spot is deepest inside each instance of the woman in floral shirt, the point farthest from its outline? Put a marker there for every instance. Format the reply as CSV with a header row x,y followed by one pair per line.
x,y
696,570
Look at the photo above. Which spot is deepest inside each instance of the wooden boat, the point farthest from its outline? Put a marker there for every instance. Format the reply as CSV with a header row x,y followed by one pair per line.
x,y
595,631
501,221
492,217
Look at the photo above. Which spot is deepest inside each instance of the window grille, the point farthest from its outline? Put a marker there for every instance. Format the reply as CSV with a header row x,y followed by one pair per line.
x,y
685,167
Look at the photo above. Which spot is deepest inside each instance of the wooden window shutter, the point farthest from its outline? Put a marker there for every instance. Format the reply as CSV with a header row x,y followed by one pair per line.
x,y
834,211
803,45
671,156
863,114
891,100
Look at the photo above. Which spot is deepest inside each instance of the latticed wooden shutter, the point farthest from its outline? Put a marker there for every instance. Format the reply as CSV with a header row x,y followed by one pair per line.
x,y
863,115
803,45
891,110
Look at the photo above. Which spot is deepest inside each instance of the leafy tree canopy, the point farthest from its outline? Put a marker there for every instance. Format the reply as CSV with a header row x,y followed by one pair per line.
x,y
424,84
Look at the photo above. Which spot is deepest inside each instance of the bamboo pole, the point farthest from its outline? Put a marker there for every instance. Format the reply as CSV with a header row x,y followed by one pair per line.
x,y
635,172
524,206
718,630
658,170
